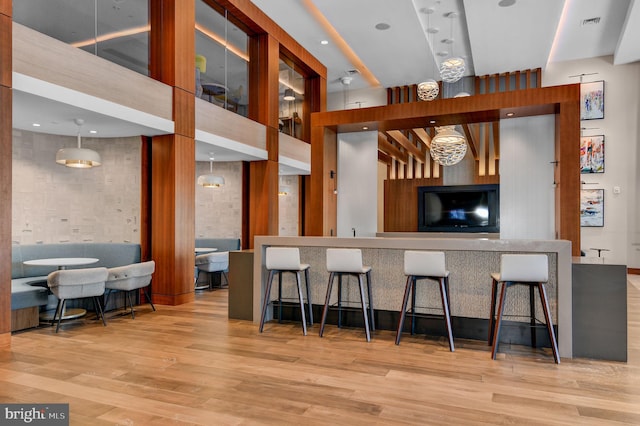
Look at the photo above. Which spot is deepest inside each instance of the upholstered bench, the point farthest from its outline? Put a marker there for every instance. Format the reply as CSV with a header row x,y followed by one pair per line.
x,y
29,292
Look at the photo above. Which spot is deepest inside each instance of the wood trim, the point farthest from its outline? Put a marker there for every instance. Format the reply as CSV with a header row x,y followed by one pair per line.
x,y
385,146
422,135
263,199
403,141
258,22
245,239
401,200
221,122
633,271
6,149
145,198
471,140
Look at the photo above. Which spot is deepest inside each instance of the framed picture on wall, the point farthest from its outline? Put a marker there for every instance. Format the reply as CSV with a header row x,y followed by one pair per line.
x,y
592,207
592,154
592,100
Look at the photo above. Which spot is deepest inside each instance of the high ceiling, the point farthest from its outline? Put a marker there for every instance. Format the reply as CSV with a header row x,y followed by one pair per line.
x,y
419,34
491,38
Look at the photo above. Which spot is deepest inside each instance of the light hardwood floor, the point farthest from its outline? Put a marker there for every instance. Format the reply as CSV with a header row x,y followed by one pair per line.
x,y
189,364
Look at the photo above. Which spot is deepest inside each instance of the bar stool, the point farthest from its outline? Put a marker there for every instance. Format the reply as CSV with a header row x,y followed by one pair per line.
x,y
286,259
349,262
531,270
421,265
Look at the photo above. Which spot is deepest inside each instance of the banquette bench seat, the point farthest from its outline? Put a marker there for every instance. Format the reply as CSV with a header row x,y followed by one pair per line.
x,y
26,298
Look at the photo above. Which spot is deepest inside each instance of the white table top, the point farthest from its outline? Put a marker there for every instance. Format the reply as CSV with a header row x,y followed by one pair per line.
x,y
61,261
205,249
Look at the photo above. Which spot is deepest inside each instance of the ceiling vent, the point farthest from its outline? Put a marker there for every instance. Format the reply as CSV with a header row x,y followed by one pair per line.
x,y
591,21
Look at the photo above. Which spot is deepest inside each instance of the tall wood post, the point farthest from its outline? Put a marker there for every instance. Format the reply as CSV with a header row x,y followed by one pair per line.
x,y
5,170
263,107
172,162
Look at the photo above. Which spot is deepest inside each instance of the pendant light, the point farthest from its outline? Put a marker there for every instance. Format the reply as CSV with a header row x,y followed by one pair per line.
x,y
452,69
428,90
289,95
448,147
79,158
210,180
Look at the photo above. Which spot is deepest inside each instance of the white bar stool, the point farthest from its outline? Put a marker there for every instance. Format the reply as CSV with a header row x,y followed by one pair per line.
x,y
286,259
421,265
349,262
521,269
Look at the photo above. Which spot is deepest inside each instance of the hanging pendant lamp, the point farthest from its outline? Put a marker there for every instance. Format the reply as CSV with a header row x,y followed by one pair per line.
x,y
79,158
452,69
428,90
448,147
210,180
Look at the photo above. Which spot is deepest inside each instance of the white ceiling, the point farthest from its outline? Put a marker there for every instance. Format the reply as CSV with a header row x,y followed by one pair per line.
x,y
491,38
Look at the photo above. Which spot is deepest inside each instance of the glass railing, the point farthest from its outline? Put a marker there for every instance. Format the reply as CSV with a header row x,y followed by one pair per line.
x,y
116,30
222,60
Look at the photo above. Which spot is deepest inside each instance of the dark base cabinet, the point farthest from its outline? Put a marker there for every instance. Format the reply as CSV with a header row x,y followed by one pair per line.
x,y
599,311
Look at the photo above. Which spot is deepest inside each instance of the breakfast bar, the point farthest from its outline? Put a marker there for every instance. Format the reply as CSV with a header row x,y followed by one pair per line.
x,y
470,262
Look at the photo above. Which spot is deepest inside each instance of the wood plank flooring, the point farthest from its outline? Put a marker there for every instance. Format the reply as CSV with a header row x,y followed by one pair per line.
x,y
189,364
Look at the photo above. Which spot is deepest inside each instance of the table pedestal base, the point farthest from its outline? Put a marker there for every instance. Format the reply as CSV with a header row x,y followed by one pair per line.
x,y
67,314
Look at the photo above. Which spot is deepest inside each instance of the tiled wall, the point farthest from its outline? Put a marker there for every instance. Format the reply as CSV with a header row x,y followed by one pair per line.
x,y
219,210
52,203
288,206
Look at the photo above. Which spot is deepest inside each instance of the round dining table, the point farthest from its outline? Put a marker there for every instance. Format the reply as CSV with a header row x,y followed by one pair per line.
x,y
62,263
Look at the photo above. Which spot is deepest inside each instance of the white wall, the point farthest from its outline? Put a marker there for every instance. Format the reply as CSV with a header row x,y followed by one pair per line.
x,y
357,184
621,231
526,178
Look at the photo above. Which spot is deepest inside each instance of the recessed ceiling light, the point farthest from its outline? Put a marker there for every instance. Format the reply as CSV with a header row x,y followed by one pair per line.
x,y
93,132
324,42
365,128
433,30
432,121
382,26
36,124
443,53
447,40
506,3
511,114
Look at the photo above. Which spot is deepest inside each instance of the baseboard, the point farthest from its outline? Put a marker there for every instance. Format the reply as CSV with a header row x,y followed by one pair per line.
x,y
633,271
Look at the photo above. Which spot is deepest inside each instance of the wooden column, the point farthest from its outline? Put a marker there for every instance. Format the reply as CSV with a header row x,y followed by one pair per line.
x,y
567,174
321,219
263,107
5,170
173,156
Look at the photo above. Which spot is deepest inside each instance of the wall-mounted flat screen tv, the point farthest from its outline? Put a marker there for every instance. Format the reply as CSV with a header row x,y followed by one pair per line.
x,y
468,208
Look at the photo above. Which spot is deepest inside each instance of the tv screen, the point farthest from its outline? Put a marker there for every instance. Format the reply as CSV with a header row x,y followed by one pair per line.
x,y
469,208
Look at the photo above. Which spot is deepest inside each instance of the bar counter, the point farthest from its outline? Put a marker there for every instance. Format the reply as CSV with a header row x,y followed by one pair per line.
x,y
470,262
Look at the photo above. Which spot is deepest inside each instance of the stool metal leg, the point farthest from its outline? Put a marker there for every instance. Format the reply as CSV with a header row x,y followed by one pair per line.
x,y
339,299
492,312
306,280
326,303
304,317
372,321
403,311
365,315
279,296
547,315
413,304
496,334
265,302
59,311
98,308
532,315
447,314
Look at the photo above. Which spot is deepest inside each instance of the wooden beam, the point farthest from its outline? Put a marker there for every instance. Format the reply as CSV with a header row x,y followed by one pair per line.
x,y
496,140
422,136
6,138
471,140
385,158
385,146
403,141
